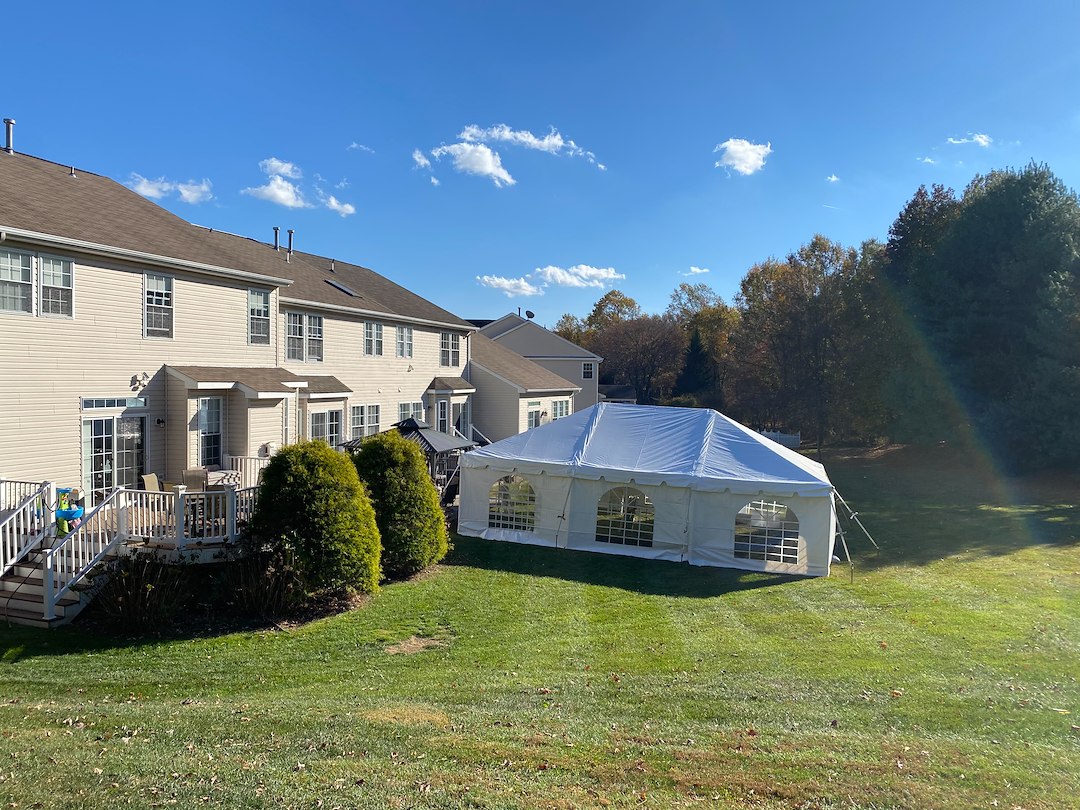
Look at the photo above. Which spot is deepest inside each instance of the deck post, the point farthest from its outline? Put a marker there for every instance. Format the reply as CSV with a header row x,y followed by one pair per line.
x,y
123,507
178,517
230,514
49,587
48,514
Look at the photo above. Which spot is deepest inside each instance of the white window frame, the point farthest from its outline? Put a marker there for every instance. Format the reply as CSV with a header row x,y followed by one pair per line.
x,y
29,283
449,349
170,306
442,416
373,339
329,420
310,333
203,432
411,410
560,408
253,318
373,413
404,341
512,504
357,414
41,285
588,370
533,408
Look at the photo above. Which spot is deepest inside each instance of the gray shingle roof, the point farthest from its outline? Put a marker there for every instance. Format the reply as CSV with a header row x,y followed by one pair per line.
x,y
325,385
513,367
270,380
450,384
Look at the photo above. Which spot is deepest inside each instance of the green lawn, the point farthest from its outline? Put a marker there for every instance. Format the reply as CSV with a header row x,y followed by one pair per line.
x,y
946,676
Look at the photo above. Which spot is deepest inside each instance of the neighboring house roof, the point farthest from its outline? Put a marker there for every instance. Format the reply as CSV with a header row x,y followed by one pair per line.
x,y
325,385
529,339
515,369
261,380
480,322
617,392
41,201
458,384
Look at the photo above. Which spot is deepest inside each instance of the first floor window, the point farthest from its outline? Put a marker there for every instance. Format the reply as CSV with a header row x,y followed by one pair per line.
x,y
442,420
768,531
327,427
57,287
259,317
512,504
16,288
357,414
535,414
404,341
372,426
210,431
625,516
373,339
560,408
449,349
159,306
411,410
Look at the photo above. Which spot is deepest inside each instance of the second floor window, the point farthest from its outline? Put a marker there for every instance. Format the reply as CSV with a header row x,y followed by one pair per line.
x,y
56,287
159,306
404,341
16,287
449,349
259,317
304,337
587,371
373,339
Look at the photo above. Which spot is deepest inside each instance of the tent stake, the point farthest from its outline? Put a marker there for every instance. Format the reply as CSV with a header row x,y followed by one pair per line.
x,y
854,517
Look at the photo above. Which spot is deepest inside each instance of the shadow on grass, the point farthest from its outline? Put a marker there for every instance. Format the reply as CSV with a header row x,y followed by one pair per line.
x,y
923,505
654,577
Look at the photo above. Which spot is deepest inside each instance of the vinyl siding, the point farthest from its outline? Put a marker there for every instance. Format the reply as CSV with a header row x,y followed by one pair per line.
x,y
265,425
48,364
496,405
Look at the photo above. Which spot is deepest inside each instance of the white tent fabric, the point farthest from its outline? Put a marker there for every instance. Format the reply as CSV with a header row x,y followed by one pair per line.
x,y
697,467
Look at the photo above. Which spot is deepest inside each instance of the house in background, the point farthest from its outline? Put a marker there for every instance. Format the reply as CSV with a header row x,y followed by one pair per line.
x,y
621,394
134,342
558,355
513,394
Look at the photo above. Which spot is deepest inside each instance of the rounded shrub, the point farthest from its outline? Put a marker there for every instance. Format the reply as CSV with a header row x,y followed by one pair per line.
x,y
411,522
312,504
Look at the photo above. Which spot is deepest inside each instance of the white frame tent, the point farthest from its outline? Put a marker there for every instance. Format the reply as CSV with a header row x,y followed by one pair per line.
x,y
715,492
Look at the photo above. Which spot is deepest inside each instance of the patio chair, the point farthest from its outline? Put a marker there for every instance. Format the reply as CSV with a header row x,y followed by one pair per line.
x,y
195,479
150,483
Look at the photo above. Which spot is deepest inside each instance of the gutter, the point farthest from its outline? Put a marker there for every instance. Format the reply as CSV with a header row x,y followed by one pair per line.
x,y
140,256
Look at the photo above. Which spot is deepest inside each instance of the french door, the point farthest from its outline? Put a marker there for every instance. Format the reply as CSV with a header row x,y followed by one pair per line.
x,y
114,454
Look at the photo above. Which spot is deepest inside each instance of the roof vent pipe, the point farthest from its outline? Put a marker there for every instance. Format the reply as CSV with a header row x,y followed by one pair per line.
x,y
9,126
276,231
332,266
290,241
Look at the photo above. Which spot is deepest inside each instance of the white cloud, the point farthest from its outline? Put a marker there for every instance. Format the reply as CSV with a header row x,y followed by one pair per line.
x,y
475,158
420,159
695,271
928,160
979,138
832,178
510,286
360,147
192,192
742,156
553,143
580,275
154,189
343,183
434,180
279,191
343,208
282,168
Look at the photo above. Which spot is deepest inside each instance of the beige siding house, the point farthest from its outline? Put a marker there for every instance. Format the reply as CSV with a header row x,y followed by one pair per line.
x,y
132,341
558,355
514,394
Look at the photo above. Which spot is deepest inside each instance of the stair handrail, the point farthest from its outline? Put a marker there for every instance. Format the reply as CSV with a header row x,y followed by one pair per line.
x,y
73,556
33,514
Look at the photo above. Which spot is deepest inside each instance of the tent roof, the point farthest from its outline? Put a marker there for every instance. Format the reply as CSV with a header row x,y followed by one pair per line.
x,y
690,447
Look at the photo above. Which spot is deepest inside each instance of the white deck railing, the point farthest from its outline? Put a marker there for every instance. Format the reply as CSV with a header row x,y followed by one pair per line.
x,y
249,468
13,493
24,522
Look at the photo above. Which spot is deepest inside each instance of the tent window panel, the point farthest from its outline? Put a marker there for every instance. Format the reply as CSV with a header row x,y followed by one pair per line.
x,y
512,504
626,516
767,531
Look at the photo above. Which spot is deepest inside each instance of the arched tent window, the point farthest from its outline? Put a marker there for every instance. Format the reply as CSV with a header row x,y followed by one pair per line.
x,y
512,504
766,530
626,516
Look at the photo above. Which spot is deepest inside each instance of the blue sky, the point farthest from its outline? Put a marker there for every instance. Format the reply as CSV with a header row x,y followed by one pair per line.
x,y
470,149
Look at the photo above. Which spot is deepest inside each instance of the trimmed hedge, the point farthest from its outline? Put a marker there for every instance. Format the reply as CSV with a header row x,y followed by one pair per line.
x,y
312,504
411,522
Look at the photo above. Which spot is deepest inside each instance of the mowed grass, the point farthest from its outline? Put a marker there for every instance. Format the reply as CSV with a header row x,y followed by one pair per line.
x,y
945,676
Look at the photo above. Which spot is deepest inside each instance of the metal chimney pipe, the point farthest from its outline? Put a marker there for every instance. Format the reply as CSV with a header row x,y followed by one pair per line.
x,y
276,230
290,241
9,125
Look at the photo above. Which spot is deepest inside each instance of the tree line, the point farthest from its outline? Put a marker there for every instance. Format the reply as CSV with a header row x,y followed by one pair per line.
x,y
964,325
